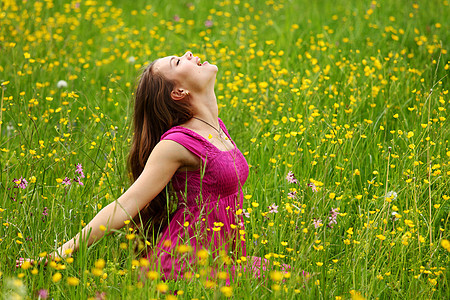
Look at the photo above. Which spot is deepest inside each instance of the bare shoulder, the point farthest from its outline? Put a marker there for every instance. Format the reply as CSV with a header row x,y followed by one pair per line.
x,y
168,150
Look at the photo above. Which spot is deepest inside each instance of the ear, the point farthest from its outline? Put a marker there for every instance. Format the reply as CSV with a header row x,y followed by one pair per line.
x,y
179,94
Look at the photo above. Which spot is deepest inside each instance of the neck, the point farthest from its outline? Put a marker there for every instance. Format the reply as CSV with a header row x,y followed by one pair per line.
x,y
205,107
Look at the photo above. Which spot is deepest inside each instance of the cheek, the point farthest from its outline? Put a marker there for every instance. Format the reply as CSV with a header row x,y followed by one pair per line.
x,y
185,71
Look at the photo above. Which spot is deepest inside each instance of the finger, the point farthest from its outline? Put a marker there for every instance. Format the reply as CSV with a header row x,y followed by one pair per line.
x,y
19,262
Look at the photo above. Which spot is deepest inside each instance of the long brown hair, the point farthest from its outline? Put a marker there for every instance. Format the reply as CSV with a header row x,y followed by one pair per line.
x,y
155,112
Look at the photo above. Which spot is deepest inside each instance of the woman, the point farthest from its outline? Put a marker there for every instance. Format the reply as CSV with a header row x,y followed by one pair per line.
x,y
179,139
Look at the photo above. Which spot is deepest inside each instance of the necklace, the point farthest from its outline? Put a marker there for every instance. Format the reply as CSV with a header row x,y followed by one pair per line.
x,y
218,130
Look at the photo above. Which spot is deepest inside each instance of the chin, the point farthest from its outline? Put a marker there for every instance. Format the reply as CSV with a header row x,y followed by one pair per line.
x,y
214,67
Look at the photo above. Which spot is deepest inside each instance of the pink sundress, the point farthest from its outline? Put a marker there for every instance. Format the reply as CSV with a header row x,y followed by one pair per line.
x,y
209,200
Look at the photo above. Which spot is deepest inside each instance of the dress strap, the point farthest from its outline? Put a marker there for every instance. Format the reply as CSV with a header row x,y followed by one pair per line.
x,y
223,127
188,139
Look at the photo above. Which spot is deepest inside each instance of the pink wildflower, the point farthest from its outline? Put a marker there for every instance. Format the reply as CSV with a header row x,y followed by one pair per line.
x,y
21,183
317,223
209,23
78,180
291,177
79,170
312,186
100,295
42,294
292,195
66,181
334,213
273,208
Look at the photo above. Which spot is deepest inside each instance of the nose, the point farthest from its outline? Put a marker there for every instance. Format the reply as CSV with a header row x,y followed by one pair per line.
x,y
189,55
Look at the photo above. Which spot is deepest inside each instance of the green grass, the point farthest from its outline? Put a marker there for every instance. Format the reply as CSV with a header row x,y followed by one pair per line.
x,y
352,97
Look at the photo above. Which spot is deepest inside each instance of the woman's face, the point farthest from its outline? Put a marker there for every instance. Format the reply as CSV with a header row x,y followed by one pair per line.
x,y
187,71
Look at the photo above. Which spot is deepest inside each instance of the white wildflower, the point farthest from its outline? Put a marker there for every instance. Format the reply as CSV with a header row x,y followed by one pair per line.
x,y
391,195
61,84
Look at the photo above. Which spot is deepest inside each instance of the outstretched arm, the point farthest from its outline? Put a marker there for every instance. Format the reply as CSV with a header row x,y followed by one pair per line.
x,y
166,158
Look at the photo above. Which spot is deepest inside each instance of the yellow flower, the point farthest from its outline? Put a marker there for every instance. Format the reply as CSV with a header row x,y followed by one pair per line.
x,y
73,281
332,195
276,287
356,295
184,248
227,291
276,275
381,237
210,284
153,275
409,223
188,275
96,272
26,265
319,263
202,254
445,244
130,236
56,277
222,275
100,264
162,287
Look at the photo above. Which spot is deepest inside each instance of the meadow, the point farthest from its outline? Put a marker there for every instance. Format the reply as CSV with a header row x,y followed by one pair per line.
x,y
340,108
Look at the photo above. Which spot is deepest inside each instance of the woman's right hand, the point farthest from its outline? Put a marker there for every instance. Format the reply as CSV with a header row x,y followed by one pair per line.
x,y
41,261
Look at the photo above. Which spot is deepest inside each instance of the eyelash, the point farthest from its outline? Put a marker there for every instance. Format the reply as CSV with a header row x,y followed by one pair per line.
x,y
178,62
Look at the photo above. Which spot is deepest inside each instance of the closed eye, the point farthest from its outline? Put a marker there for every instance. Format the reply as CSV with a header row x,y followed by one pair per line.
x,y
178,62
